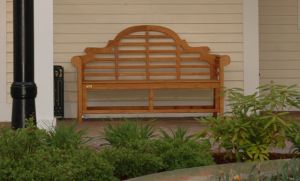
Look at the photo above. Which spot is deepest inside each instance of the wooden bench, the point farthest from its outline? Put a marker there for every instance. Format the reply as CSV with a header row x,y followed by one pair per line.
x,y
149,58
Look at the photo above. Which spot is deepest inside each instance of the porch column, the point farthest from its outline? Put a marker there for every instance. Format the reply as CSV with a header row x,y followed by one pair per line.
x,y
251,45
44,63
5,108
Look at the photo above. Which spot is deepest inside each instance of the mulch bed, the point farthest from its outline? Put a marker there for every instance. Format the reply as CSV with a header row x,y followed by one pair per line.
x,y
223,158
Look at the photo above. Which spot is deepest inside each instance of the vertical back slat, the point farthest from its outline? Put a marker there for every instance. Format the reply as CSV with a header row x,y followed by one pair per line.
x,y
117,56
178,62
147,55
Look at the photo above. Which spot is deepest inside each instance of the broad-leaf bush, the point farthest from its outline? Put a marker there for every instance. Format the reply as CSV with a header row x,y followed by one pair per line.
x,y
256,122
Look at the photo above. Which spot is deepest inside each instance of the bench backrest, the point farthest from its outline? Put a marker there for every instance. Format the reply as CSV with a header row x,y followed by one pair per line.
x,y
148,53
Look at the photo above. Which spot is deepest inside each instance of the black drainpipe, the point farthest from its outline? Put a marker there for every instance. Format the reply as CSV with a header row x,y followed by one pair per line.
x,y
23,89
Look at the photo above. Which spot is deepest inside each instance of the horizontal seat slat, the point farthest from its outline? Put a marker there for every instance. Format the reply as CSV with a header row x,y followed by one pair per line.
x,y
144,109
149,81
166,84
144,66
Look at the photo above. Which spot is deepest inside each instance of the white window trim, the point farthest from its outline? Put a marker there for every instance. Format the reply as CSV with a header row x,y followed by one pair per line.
x,y
5,108
251,46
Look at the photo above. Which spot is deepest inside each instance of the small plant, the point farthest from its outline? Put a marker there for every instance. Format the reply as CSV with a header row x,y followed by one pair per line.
x,y
133,161
16,144
256,122
66,136
134,151
289,171
127,133
33,154
293,135
180,150
56,164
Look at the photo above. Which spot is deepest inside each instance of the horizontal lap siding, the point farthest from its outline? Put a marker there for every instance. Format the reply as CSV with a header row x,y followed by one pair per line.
x,y
87,23
279,42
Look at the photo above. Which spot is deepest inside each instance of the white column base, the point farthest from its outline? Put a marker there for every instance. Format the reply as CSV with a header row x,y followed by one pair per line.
x,y
46,123
5,112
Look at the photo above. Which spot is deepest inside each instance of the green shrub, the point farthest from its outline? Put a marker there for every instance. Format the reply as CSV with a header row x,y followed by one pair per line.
x,y
33,154
255,123
133,162
56,164
16,144
178,150
135,152
65,137
127,133
293,135
131,151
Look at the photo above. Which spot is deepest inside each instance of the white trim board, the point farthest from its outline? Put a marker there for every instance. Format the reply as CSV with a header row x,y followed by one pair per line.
x,y
251,45
5,108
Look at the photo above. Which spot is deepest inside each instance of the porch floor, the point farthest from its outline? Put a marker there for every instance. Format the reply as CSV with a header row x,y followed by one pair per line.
x,y
95,127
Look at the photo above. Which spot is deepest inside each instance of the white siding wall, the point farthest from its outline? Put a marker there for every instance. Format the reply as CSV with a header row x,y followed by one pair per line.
x,y
84,23
279,42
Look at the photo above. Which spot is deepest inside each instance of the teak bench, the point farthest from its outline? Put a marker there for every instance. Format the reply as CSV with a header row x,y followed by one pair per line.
x,y
149,58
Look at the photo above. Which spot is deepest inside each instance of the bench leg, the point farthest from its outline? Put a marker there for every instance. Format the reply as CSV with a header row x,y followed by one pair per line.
x,y
79,107
217,102
222,101
79,116
215,114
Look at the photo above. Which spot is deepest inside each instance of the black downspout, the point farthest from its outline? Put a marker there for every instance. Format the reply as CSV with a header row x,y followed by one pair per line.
x,y
23,89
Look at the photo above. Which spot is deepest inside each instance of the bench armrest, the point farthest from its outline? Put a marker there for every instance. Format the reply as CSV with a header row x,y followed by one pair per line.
x,y
223,60
76,61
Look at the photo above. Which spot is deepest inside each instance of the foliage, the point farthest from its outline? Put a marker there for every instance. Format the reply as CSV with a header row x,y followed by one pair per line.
x,y
16,144
289,171
178,150
66,136
293,135
57,164
130,162
127,133
134,151
33,154
255,123
131,150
